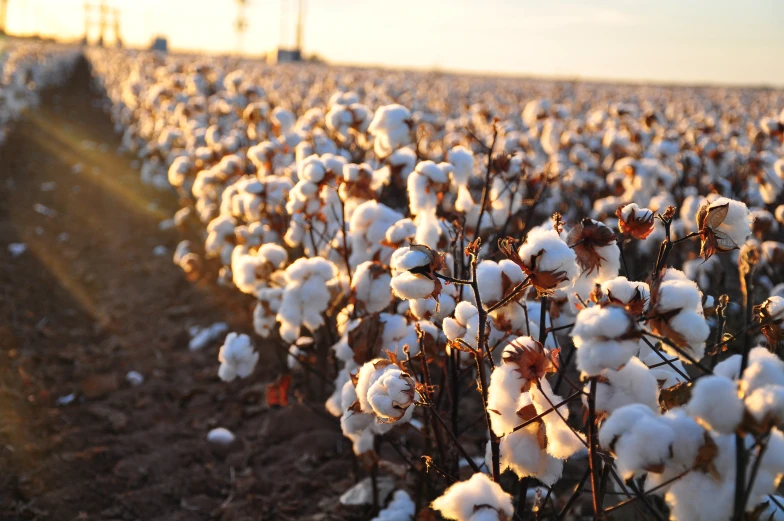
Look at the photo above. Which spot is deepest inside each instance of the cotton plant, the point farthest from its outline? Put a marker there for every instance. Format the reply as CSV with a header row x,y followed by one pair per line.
x,y
305,296
347,204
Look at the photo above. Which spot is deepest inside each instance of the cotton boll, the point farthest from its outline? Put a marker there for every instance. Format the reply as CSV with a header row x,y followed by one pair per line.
x,y
729,367
334,404
401,508
715,402
764,369
398,333
503,393
400,232
237,357
369,225
497,279
633,383
424,186
370,285
737,222
460,501
384,390
632,295
562,442
390,127
356,425
265,312
305,297
465,324
409,267
694,330
391,394
412,286
520,452
548,260
767,403
678,293
463,161
699,497
605,338
678,315
664,373
638,438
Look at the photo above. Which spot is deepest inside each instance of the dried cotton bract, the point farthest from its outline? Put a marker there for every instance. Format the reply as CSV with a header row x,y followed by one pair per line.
x,y
724,226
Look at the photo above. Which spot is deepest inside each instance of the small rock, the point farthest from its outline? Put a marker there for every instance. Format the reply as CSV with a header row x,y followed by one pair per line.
x,y
48,186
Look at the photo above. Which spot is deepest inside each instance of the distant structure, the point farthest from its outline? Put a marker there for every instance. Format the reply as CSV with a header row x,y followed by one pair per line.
x,y
3,10
284,54
160,44
103,22
241,24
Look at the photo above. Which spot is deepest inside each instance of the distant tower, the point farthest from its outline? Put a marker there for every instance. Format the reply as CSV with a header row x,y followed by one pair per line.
x,y
300,16
3,9
241,24
103,23
117,38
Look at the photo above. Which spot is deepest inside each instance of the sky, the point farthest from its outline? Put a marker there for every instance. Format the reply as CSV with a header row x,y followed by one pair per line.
x,y
678,41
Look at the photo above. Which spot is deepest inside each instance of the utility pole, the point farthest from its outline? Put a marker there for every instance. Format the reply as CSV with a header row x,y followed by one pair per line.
x,y
117,38
103,9
241,24
104,13
300,16
3,10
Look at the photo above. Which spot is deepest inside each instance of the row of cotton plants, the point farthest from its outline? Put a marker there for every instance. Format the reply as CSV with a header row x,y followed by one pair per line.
x,y
25,68
533,297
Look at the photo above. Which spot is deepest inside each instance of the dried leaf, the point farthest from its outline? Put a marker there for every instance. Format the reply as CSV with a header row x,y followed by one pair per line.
x,y
675,396
527,413
363,339
706,454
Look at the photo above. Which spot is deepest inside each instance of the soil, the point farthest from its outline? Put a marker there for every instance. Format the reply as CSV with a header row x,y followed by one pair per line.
x,y
86,303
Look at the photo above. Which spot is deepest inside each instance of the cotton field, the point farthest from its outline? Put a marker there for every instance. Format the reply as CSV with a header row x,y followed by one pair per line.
x,y
24,70
520,299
